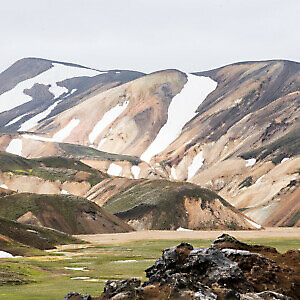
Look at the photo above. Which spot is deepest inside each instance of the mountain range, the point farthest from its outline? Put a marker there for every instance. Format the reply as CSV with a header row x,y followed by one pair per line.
x,y
220,146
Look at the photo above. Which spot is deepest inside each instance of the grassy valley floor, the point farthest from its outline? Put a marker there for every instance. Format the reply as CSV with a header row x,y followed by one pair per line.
x,y
111,256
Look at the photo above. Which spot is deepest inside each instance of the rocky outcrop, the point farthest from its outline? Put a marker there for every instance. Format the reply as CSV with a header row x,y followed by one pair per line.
x,y
210,273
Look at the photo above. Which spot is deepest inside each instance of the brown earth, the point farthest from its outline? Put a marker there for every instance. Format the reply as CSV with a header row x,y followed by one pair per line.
x,y
122,238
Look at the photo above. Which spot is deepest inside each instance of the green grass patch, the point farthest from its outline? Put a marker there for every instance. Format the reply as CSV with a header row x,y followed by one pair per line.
x,y
50,280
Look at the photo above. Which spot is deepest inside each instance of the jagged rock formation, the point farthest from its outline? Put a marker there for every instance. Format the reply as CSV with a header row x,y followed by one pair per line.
x,y
187,273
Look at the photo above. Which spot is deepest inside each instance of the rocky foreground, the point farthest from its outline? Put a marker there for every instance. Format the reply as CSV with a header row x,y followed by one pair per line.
x,y
229,269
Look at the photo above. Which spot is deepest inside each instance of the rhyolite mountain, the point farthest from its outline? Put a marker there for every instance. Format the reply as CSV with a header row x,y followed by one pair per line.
x,y
234,130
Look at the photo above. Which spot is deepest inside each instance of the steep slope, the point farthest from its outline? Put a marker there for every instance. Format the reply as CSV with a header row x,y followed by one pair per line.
x,y
70,214
165,205
33,89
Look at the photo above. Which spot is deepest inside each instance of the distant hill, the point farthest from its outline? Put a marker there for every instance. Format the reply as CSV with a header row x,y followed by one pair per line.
x,y
22,239
165,205
66,213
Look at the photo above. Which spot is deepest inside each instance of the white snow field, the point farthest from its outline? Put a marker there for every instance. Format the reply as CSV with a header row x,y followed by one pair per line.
x,y
15,120
35,120
250,162
183,229
61,135
107,119
259,179
195,165
135,170
114,170
181,110
4,254
284,159
57,73
173,173
101,143
15,147
253,223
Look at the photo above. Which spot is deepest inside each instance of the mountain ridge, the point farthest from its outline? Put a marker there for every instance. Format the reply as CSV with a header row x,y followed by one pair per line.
x,y
254,105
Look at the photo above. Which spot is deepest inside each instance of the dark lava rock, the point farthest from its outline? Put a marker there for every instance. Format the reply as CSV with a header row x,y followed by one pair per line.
x,y
126,287
207,266
77,296
228,241
219,272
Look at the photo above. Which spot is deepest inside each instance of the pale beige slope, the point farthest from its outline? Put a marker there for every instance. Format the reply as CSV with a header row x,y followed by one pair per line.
x,y
135,128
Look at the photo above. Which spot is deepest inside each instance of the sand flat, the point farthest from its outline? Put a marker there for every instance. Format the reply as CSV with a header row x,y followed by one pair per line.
x,y
113,238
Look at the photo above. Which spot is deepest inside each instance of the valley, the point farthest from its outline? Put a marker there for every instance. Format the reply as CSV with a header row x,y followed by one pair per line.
x,y
111,257
102,170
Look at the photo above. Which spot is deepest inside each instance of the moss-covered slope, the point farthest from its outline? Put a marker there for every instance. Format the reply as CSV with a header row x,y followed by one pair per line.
x,y
70,214
162,204
19,239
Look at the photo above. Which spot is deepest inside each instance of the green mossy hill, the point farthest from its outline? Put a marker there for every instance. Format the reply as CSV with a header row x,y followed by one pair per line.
x,y
67,213
50,168
285,146
15,237
83,152
160,204
155,193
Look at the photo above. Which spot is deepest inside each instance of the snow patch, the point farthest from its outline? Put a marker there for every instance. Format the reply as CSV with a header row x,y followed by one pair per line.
x,y
229,251
101,143
125,261
253,223
107,119
259,179
15,120
4,186
250,162
15,147
57,90
135,170
80,278
195,165
285,159
35,120
183,229
57,73
4,254
61,135
181,110
37,138
76,269
114,170
173,173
